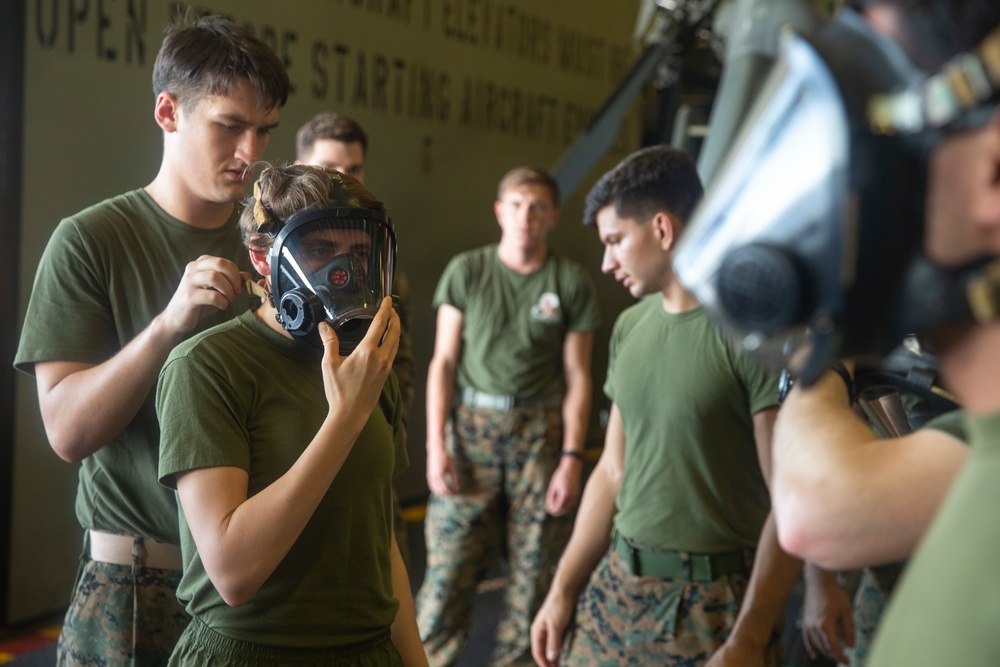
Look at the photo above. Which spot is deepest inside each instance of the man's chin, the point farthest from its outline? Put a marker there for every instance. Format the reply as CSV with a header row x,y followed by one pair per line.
x,y
232,193
638,290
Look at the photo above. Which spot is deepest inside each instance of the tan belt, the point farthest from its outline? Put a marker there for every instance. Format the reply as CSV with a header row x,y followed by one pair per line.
x,y
117,549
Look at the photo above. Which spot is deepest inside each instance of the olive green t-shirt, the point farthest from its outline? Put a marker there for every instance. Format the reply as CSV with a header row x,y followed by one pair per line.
x,y
946,608
953,423
243,395
514,324
687,398
105,274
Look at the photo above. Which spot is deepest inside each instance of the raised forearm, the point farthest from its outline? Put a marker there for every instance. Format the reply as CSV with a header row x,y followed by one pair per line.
x,y
819,476
241,540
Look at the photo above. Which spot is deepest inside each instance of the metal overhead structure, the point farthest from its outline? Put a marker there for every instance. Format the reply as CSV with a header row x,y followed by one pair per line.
x,y
743,34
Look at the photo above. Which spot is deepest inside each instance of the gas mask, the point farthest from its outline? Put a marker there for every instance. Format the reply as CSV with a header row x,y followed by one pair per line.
x,y
807,245
333,264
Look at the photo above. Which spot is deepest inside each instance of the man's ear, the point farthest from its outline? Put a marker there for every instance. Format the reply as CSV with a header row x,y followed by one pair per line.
x,y
166,111
259,261
665,229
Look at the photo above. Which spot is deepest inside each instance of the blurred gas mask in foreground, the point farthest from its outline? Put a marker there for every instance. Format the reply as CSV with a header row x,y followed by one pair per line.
x,y
807,246
332,263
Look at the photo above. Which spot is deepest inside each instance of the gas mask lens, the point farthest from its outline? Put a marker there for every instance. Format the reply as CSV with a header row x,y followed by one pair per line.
x,y
333,265
772,222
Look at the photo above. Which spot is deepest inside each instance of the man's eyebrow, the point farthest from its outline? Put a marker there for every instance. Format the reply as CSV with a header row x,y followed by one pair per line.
x,y
243,120
233,118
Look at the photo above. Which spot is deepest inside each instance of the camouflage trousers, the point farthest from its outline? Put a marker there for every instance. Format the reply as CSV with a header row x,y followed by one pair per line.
x,y
623,619
121,615
201,646
504,462
869,604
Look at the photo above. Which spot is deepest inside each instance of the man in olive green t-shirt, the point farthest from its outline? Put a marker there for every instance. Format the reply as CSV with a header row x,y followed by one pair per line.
x,y
118,286
660,557
508,401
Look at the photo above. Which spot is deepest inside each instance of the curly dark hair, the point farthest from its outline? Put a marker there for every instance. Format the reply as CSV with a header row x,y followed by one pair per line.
x,y
658,178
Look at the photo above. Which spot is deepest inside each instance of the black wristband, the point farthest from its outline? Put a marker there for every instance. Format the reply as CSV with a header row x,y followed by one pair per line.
x,y
576,455
845,375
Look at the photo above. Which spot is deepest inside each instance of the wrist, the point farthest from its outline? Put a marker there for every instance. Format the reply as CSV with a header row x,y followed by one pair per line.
x,y
435,451
571,455
160,330
814,575
563,592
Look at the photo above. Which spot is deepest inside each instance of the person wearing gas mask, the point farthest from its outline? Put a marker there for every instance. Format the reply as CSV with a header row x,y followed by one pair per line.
x,y
281,433
678,503
508,399
118,286
909,156
332,140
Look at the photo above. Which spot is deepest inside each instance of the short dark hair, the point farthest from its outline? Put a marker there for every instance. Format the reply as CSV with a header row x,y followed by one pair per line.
x,y
527,175
210,55
329,125
658,178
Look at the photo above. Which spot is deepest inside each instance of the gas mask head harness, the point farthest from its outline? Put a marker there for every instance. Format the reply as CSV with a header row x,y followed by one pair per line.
x,y
807,245
331,262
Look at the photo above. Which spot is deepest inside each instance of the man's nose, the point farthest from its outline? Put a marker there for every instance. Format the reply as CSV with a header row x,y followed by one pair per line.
x,y
251,146
608,262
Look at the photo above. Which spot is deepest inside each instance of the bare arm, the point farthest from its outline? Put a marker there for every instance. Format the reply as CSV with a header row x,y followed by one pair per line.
x,y
773,576
588,543
241,539
84,405
441,375
846,499
564,487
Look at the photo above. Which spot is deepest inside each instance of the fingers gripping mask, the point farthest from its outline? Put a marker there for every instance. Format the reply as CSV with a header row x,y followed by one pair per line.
x,y
332,264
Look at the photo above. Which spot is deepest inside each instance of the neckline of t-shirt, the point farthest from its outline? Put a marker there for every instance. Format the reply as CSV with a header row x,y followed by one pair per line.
x,y
683,316
171,221
517,275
